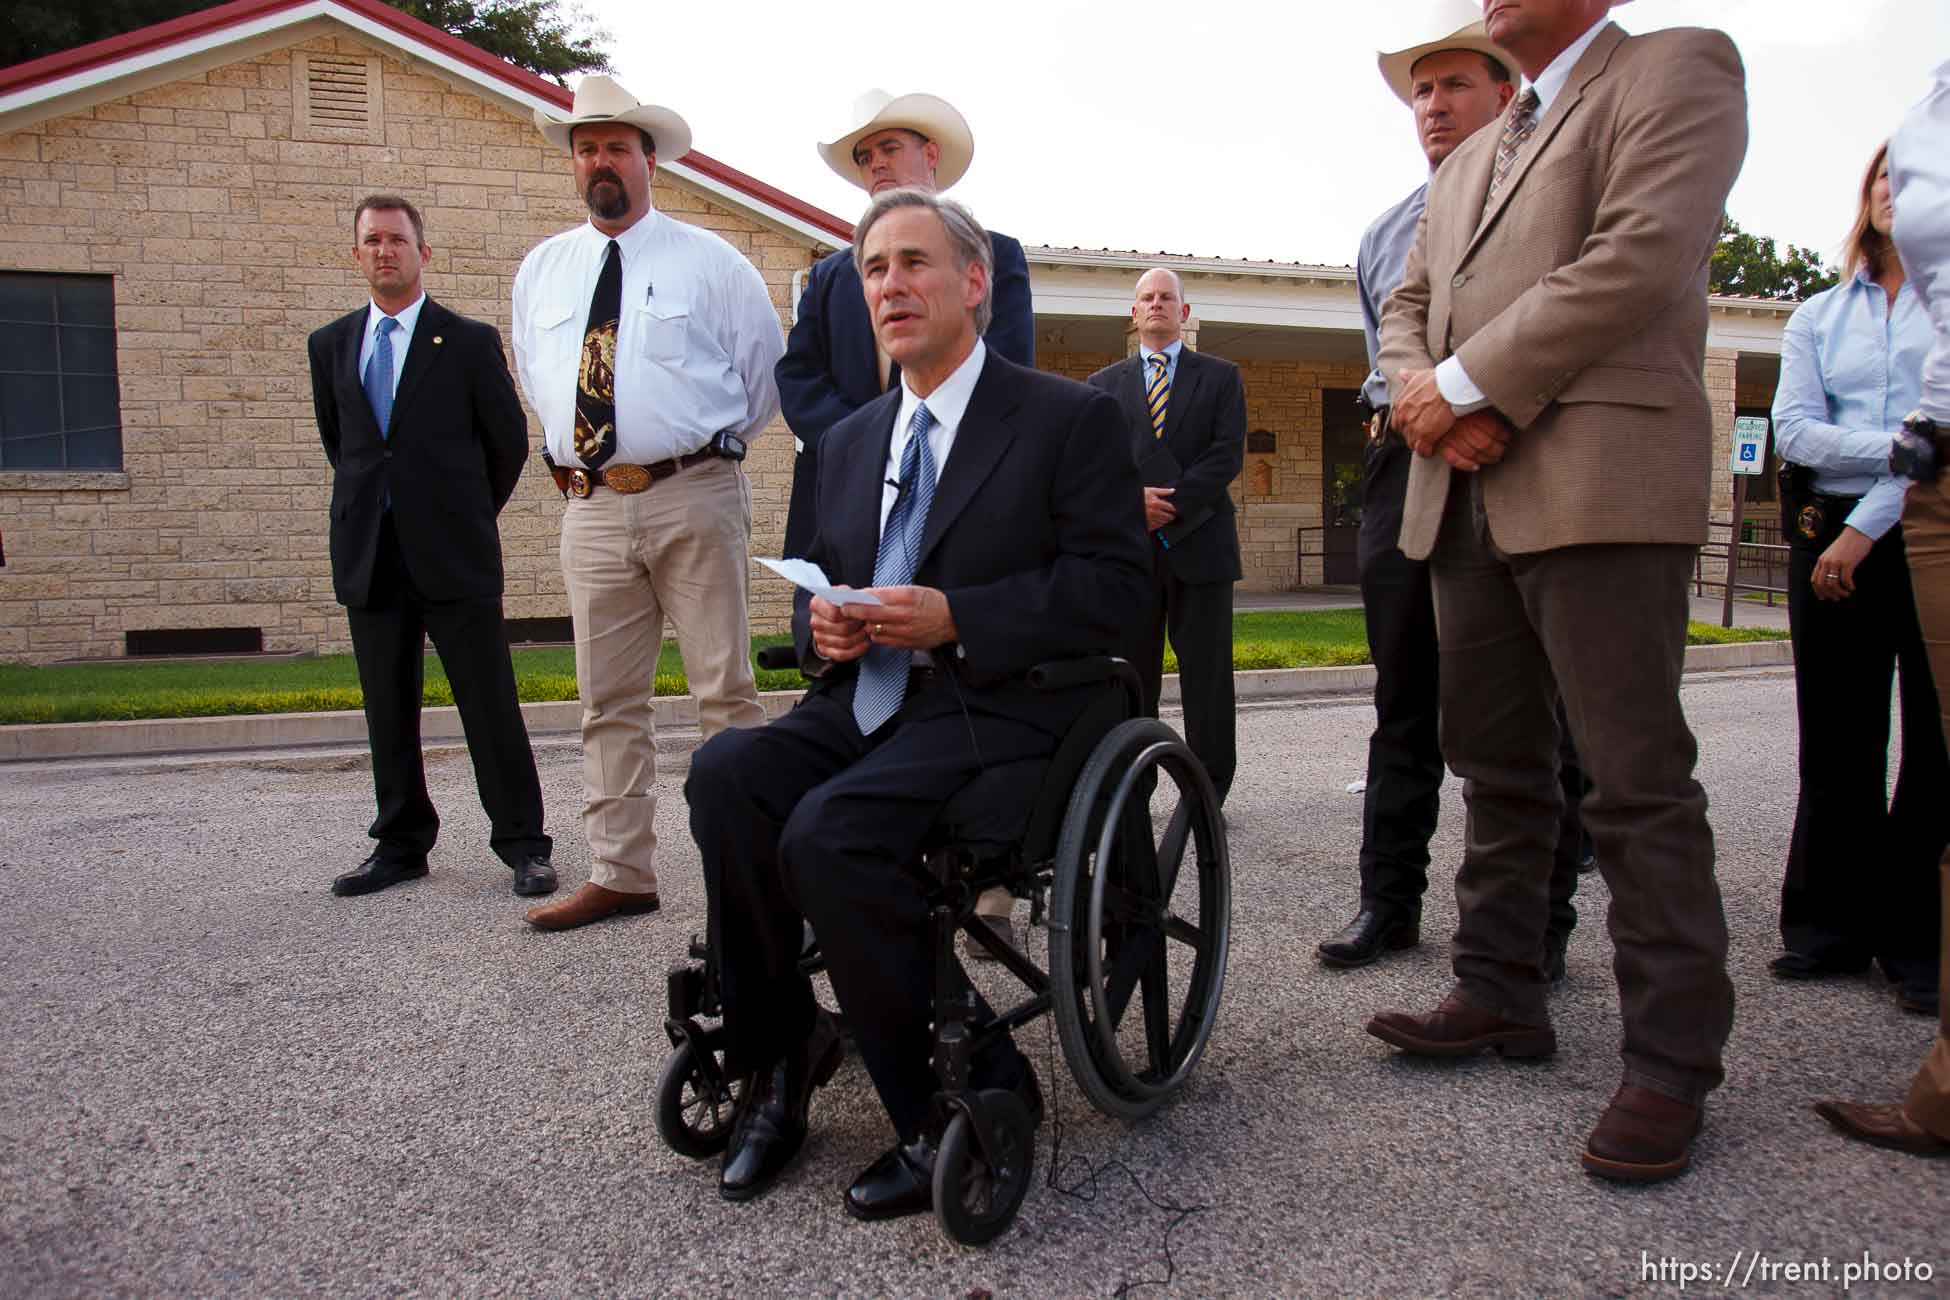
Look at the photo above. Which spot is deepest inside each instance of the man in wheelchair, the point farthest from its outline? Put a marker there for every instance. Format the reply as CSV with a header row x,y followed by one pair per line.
x,y
994,513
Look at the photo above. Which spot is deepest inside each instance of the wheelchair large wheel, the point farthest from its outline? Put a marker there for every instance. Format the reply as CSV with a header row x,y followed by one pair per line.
x,y
1129,924
976,1201
693,1116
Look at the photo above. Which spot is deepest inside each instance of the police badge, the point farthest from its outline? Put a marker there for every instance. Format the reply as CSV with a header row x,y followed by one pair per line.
x,y
1808,523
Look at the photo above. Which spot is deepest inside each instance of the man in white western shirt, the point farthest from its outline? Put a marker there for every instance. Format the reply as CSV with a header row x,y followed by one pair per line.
x,y
646,347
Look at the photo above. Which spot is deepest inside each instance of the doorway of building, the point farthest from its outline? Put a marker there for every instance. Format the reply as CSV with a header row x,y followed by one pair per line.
x,y
1343,438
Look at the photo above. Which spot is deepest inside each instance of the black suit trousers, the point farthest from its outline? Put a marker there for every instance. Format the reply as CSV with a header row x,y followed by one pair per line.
x,y
1198,616
807,820
388,636
1405,768
1862,879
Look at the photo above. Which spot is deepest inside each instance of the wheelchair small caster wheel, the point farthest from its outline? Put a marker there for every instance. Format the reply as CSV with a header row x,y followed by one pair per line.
x,y
693,1114
976,1201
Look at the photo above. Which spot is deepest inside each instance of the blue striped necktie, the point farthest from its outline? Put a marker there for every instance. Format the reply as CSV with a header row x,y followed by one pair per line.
x,y
882,685
379,377
1157,394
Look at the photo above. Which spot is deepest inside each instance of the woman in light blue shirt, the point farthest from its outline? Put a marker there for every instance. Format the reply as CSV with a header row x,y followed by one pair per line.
x,y
1861,879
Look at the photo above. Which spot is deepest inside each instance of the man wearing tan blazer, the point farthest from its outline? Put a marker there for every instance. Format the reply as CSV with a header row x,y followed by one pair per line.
x,y
1545,354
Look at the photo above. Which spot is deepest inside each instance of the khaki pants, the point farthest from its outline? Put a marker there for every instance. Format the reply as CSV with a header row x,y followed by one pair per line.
x,y
679,549
1926,529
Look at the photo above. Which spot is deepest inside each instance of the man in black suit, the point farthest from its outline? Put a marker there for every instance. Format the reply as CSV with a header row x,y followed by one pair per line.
x,y
995,513
832,364
1187,418
426,437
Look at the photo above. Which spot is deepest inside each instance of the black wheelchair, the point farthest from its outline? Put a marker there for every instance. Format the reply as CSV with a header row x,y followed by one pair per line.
x,y
1077,835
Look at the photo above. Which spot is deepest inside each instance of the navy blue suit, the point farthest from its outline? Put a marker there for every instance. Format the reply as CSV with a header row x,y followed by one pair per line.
x,y
830,368
806,818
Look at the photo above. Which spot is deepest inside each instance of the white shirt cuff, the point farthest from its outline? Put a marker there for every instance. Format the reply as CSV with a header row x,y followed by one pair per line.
x,y
1457,388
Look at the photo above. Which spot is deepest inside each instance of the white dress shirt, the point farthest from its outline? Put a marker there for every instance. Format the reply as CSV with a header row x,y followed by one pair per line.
x,y
1919,175
947,404
1457,388
695,344
402,339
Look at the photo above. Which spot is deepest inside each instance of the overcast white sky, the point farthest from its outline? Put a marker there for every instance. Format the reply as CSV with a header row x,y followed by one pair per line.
x,y
1224,129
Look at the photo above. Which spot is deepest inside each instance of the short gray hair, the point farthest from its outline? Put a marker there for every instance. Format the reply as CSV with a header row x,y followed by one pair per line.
x,y
965,236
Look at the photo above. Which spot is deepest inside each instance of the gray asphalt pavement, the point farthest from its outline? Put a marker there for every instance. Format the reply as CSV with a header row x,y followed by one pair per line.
x,y
221,1080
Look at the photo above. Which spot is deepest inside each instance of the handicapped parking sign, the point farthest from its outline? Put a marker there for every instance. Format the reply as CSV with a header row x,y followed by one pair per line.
x,y
1749,444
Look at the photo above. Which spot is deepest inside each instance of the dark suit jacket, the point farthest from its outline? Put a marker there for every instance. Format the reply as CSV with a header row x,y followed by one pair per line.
x,y
1036,534
830,368
458,442
1205,428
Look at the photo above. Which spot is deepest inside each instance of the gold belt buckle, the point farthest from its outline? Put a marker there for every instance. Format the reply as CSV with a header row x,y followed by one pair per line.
x,y
579,482
626,478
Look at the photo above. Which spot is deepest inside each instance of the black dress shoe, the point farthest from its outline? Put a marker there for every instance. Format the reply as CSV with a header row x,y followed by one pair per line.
x,y
534,875
377,872
1371,933
1800,966
1918,997
771,1123
899,1183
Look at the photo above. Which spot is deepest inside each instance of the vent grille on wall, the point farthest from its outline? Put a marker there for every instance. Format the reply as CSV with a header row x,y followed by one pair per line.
x,y
337,97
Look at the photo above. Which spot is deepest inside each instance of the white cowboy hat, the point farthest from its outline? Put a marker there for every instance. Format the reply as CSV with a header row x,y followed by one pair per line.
x,y
1463,20
600,99
924,114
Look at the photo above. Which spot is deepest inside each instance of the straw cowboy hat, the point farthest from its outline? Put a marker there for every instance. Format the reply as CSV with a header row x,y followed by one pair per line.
x,y
1463,20
600,99
924,114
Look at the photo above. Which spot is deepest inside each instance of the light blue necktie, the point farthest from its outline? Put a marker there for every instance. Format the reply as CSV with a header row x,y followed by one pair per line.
x,y
379,377
877,695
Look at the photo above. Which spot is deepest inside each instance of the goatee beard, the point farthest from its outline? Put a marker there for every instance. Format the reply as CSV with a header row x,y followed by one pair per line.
x,y
615,208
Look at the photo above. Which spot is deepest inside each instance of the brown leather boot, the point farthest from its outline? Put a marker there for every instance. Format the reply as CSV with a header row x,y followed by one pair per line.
x,y
1643,1136
591,902
1455,1028
1882,1126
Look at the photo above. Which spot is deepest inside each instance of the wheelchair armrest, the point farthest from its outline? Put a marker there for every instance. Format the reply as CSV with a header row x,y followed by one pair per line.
x,y
778,657
1091,670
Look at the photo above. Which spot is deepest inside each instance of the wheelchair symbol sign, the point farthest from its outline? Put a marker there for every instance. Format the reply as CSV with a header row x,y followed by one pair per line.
x,y
1749,443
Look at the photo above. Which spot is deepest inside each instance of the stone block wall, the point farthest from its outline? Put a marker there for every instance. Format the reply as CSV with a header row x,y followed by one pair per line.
x,y
229,240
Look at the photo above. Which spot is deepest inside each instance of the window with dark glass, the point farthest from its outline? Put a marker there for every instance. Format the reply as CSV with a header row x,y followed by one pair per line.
x,y
60,408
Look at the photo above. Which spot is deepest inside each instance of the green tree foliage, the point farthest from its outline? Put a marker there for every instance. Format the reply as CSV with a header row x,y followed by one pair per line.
x,y
1746,266
531,34
538,35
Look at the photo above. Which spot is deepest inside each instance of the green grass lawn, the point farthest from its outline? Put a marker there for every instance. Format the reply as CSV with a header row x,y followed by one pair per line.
x,y
106,692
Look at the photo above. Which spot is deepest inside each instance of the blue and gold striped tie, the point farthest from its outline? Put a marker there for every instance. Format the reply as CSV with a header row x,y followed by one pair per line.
x,y
1157,395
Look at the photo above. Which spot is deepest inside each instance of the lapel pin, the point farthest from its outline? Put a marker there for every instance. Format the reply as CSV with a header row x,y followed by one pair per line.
x,y
436,338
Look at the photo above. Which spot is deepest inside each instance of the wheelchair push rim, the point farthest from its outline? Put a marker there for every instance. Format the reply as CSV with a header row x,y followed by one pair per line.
x,y
1113,947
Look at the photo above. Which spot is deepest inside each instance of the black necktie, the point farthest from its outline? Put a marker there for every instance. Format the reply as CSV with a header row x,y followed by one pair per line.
x,y
596,377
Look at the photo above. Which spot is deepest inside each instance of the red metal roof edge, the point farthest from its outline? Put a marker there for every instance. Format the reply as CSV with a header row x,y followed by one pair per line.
x,y
83,58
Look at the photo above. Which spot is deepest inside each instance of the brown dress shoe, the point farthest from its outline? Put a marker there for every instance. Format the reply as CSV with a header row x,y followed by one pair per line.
x,y
1643,1136
589,903
1457,1029
1882,1126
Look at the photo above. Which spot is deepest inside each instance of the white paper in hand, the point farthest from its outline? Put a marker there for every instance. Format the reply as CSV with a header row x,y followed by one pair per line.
x,y
804,573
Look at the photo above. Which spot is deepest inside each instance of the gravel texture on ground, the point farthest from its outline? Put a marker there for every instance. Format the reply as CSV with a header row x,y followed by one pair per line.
x,y
221,1080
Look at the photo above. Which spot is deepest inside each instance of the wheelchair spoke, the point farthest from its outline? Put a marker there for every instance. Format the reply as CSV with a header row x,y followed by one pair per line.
x,y
1177,927
1171,849
1134,955
1157,1012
